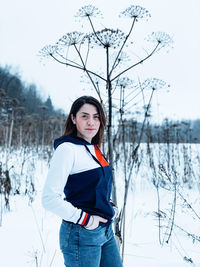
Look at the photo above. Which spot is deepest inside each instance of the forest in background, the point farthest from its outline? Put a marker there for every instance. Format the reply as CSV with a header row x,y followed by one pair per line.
x,y
27,119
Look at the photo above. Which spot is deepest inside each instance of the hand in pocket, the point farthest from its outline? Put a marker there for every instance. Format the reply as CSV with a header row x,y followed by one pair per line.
x,y
94,222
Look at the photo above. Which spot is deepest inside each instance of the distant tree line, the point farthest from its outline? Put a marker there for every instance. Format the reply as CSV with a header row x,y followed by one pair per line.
x,y
185,131
25,119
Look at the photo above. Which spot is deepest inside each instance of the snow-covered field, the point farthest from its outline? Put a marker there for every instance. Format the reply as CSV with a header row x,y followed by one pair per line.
x,y
29,234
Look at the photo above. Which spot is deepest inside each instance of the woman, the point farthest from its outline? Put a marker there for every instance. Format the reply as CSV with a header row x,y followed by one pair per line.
x,y
79,169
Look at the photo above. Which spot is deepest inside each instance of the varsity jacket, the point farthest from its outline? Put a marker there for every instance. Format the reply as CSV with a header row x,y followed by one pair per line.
x,y
78,171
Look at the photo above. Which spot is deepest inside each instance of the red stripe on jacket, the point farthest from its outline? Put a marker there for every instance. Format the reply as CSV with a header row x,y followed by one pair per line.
x,y
84,220
100,157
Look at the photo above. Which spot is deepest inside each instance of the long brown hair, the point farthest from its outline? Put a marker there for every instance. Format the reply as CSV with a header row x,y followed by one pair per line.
x,y
70,128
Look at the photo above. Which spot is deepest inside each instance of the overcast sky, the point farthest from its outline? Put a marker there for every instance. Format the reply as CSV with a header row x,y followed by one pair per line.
x,y
28,25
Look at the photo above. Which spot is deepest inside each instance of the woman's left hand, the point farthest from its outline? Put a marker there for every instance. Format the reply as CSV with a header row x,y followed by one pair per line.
x,y
94,222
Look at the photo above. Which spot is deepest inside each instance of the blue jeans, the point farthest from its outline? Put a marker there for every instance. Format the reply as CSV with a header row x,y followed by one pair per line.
x,y
88,248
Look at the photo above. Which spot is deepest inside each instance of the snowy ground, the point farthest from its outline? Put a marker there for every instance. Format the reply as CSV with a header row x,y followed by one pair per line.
x,y
29,235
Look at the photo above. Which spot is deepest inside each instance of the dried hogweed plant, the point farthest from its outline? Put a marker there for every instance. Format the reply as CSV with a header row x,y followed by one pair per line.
x,y
137,12
154,84
83,57
48,50
162,39
106,38
88,11
71,38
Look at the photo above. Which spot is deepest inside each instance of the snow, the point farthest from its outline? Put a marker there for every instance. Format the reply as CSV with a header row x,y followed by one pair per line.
x,y
29,234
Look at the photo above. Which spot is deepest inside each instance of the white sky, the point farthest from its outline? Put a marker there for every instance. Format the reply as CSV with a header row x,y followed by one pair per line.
x,y
28,25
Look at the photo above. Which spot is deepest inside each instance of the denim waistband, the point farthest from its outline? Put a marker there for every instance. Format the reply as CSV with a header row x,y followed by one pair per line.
x,y
101,223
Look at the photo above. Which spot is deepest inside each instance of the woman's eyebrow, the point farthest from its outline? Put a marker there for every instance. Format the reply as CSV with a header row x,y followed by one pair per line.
x,y
88,113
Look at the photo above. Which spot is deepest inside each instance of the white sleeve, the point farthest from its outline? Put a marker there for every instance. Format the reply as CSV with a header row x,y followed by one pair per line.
x,y
52,196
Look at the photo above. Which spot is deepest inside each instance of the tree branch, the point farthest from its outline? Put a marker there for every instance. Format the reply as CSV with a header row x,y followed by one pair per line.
x,y
72,62
113,66
87,54
93,29
134,97
88,73
141,61
81,68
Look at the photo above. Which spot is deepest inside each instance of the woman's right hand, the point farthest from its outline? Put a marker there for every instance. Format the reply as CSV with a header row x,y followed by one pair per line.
x,y
94,222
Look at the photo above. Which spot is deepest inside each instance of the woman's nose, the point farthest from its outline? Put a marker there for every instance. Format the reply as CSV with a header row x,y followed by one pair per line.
x,y
90,121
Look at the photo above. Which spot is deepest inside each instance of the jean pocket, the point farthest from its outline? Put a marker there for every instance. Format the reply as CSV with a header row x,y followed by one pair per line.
x,y
93,230
64,234
91,237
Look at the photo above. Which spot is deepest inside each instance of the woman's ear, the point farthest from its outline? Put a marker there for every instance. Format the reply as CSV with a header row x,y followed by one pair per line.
x,y
73,119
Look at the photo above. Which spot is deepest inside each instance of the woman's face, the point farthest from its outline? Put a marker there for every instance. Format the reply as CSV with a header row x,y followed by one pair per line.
x,y
87,122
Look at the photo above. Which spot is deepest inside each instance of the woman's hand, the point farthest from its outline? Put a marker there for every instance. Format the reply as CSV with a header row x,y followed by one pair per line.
x,y
94,222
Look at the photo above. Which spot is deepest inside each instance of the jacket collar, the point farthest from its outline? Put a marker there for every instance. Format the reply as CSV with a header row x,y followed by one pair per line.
x,y
75,140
